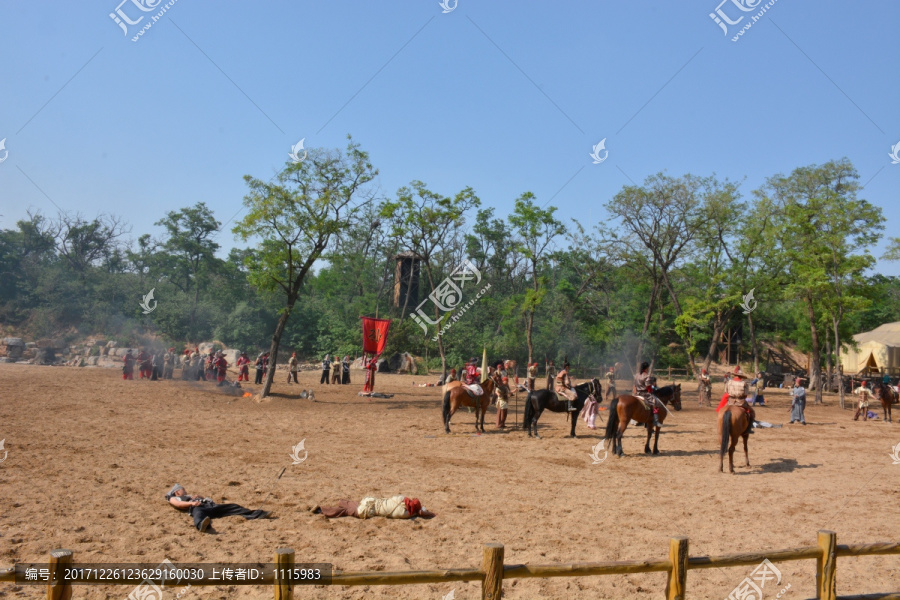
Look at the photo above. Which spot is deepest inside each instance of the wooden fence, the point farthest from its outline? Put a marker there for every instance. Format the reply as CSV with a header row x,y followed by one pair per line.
x,y
493,570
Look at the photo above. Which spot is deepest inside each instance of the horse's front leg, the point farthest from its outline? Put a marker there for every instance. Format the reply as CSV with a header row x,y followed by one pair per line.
x,y
656,442
746,453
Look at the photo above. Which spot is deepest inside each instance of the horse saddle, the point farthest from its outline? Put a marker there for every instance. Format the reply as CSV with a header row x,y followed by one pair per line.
x,y
474,390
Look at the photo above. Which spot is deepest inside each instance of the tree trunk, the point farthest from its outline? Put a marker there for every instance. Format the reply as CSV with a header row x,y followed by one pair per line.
x,y
529,322
273,349
690,351
193,329
753,343
718,330
828,373
815,359
647,318
839,366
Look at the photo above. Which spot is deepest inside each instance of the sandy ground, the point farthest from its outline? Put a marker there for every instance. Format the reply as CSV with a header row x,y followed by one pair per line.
x,y
90,458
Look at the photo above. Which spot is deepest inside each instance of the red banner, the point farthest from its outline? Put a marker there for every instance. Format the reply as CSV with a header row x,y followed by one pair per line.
x,y
375,334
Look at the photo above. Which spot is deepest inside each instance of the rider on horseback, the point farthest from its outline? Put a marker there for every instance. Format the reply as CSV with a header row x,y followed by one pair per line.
x,y
564,383
645,387
737,390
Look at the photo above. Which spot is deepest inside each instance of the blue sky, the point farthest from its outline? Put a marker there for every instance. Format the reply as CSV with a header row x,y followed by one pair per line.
x,y
504,97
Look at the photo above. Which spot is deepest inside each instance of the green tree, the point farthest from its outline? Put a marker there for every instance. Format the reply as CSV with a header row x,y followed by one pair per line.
x,y
295,218
190,248
425,222
825,235
537,229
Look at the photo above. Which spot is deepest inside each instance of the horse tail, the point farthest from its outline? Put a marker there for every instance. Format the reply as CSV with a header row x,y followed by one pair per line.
x,y
612,424
529,412
726,432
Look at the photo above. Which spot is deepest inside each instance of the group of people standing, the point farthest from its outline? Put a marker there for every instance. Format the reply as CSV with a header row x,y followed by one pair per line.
x,y
336,371
155,365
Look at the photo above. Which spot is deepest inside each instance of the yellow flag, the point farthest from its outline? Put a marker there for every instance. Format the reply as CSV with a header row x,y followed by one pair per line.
x,y
484,365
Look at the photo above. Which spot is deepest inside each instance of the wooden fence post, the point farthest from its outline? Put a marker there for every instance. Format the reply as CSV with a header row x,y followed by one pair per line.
x,y
58,589
826,565
678,555
492,565
284,587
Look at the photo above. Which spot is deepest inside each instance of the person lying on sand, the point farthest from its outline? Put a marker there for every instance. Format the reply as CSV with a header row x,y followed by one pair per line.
x,y
203,510
395,507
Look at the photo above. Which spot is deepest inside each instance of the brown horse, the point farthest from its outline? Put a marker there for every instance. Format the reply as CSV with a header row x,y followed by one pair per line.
x,y
734,423
456,395
626,407
885,394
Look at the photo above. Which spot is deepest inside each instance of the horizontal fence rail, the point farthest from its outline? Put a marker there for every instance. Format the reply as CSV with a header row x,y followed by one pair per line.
x,y
493,570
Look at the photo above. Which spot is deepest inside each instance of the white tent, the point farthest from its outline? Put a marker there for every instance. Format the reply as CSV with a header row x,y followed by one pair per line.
x,y
877,350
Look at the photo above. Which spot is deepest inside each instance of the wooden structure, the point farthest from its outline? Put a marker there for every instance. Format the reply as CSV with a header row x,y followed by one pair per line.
x,y
731,345
493,569
406,280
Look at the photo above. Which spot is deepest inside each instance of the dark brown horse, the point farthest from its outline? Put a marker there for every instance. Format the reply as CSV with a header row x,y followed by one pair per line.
x,y
627,407
540,400
885,394
733,424
456,395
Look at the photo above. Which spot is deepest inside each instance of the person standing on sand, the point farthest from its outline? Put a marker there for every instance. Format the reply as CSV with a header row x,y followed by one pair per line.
x,y
260,367
128,369
326,370
292,368
864,394
611,384
336,372
243,365
371,366
203,510
143,360
798,404
705,388
169,363
221,367
345,370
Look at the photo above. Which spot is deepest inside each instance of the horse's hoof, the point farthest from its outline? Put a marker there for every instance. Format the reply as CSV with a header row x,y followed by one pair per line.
x,y
646,450
656,453
571,436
